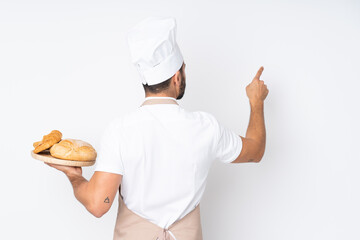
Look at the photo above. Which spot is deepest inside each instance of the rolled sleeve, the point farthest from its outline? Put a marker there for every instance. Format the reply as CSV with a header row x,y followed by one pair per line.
x,y
109,155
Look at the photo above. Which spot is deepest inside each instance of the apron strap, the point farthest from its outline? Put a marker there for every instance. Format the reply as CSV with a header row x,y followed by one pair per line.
x,y
165,235
159,101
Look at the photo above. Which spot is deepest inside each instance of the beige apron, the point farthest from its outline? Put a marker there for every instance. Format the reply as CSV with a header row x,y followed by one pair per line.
x,y
131,226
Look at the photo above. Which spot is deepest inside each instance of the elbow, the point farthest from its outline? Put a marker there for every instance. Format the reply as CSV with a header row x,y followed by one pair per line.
x,y
98,214
96,211
261,156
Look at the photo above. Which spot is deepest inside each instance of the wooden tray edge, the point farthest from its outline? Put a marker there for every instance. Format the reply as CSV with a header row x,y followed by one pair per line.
x,y
50,159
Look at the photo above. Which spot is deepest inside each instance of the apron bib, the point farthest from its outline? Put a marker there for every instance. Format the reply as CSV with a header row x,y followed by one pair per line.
x,y
131,226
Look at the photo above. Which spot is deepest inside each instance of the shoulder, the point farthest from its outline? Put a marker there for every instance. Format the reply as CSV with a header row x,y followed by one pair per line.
x,y
114,122
207,120
124,120
207,116
213,123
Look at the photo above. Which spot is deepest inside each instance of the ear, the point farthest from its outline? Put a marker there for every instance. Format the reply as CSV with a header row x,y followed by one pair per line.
x,y
177,77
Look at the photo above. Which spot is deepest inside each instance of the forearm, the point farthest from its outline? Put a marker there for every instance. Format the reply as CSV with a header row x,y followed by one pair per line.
x,y
98,193
81,190
256,128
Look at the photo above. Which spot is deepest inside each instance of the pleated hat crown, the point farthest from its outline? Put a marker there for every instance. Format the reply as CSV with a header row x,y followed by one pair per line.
x,y
154,50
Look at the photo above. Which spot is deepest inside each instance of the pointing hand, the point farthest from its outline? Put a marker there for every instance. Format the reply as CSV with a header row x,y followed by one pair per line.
x,y
257,90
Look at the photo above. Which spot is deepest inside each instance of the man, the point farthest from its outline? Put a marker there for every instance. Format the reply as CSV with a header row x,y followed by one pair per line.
x,y
158,156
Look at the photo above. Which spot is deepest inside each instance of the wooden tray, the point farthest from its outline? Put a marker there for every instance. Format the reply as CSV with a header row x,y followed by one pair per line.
x,y
46,157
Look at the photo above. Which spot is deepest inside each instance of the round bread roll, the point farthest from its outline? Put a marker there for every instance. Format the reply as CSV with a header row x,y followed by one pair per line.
x,y
73,149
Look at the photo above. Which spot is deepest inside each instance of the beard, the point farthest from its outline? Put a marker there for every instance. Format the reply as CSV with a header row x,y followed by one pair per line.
x,y
182,87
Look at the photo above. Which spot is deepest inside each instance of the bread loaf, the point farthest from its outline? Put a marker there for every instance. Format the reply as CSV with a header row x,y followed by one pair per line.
x,y
47,141
73,149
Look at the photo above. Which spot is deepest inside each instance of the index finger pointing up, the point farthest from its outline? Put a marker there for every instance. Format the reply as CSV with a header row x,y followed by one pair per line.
x,y
259,72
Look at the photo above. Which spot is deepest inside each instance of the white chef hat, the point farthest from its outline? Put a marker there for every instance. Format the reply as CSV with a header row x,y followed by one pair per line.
x,y
154,50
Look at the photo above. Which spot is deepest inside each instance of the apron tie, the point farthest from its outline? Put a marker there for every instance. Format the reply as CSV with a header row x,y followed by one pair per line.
x,y
165,234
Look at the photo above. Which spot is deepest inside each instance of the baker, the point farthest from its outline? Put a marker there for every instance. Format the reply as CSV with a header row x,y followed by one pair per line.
x,y
158,156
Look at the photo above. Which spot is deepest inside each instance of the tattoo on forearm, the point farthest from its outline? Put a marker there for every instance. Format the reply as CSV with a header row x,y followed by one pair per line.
x,y
106,200
251,160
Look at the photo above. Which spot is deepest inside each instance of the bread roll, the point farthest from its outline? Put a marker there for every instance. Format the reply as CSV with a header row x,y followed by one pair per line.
x,y
73,149
47,141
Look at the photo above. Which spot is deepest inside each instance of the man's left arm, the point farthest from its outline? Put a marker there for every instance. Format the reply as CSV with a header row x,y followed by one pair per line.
x,y
97,194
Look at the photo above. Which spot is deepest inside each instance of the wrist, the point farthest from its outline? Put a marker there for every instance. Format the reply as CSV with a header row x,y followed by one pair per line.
x,y
72,176
256,104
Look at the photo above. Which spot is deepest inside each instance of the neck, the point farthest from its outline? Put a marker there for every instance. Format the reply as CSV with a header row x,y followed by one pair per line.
x,y
160,95
159,99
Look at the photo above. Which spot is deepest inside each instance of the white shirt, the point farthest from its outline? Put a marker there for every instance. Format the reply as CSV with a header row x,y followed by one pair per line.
x,y
164,154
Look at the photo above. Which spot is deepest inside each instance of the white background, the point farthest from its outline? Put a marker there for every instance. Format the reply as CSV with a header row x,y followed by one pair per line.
x,y
66,65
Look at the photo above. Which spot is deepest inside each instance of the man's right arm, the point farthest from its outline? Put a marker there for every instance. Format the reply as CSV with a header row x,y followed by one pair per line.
x,y
253,147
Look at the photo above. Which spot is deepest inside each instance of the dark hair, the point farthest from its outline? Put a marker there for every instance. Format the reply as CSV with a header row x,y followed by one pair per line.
x,y
157,88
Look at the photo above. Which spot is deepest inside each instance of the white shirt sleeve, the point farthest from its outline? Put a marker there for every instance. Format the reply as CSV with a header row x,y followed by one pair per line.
x,y
109,155
228,144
